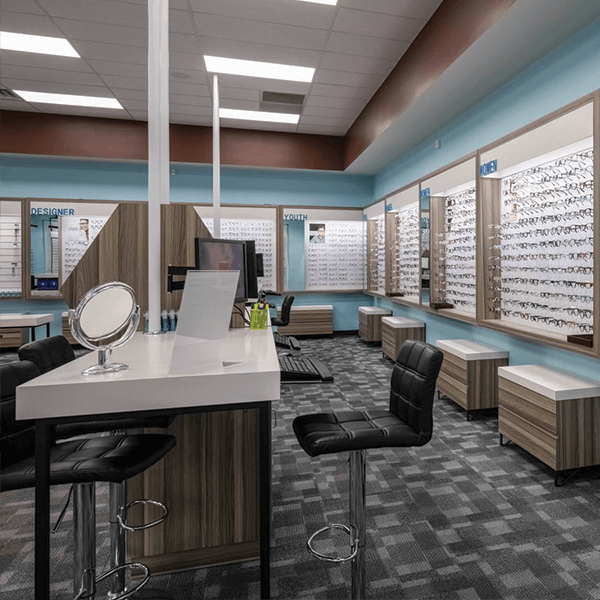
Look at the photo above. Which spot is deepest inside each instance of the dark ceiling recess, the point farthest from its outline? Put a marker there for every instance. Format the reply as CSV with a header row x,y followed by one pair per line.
x,y
283,103
8,94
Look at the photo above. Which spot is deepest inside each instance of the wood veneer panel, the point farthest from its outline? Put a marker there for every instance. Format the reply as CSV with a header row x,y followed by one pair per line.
x,y
483,382
455,367
437,243
453,388
536,409
577,433
455,26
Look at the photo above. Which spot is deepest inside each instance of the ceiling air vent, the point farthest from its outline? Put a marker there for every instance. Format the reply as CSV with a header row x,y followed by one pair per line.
x,y
283,103
6,94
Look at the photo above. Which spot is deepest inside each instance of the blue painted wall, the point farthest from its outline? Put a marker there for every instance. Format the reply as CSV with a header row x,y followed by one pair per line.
x,y
34,177
56,307
297,261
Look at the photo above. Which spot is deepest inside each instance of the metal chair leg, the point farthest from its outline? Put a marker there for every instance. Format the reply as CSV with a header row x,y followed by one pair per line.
x,y
116,501
358,469
84,529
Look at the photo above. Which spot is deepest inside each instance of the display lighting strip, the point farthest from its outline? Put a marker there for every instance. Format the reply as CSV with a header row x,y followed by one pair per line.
x,y
68,99
257,115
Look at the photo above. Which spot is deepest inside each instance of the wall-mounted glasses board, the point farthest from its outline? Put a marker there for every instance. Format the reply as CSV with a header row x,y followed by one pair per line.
x,y
11,260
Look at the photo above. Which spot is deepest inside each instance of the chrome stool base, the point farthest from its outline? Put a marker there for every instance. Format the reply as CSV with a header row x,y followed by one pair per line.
x,y
354,543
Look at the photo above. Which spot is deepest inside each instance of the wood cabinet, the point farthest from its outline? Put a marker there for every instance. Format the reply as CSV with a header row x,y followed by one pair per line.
x,y
369,322
396,330
553,415
469,374
309,320
13,337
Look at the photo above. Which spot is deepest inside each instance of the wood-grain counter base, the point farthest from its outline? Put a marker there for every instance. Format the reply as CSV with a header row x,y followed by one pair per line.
x,y
392,338
563,434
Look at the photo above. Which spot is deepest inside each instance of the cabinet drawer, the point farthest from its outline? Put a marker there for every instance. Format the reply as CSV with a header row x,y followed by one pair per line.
x,y
519,401
537,442
10,337
455,367
454,389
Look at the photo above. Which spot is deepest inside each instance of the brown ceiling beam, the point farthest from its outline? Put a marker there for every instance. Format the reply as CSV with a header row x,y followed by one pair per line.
x,y
117,139
455,26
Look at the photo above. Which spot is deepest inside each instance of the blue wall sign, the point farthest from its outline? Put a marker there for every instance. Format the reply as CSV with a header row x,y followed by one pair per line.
x,y
388,208
426,193
488,168
63,212
297,217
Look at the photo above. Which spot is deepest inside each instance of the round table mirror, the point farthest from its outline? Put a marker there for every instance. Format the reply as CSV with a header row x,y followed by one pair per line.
x,y
105,318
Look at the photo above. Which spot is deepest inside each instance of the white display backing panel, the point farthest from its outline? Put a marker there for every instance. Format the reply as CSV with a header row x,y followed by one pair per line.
x,y
408,229
10,249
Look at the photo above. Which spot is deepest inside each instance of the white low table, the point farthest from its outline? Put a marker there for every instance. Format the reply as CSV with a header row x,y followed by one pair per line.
x,y
396,330
23,321
552,415
469,374
240,371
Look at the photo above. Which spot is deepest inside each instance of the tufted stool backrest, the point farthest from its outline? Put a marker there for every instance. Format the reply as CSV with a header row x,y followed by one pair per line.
x,y
413,386
49,353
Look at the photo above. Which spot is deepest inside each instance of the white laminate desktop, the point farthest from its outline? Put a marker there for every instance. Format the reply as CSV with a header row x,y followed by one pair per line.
x,y
243,367
25,320
402,323
470,350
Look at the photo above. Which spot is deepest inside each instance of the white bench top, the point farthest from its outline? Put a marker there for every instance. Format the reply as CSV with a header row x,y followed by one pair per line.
x,y
470,350
556,385
374,310
312,307
402,322
23,320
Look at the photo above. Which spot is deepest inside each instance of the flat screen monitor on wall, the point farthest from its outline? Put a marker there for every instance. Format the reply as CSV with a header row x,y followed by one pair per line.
x,y
223,255
251,271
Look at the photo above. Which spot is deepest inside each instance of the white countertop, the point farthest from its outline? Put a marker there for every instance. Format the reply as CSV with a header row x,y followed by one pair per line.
x,y
312,307
243,367
556,385
374,310
22,320
402,322
470,350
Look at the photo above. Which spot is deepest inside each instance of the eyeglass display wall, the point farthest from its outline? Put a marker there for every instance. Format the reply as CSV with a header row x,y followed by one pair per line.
x,y
404,252
324,249
11,261
538,230
258,224
376,255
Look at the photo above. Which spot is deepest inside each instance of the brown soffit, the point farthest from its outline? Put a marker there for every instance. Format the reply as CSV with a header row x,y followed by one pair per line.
x,y
454,26
117,139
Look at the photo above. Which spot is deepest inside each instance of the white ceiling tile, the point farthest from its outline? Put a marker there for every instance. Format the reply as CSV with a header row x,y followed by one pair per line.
x,y
41,61
23,6
418,9
132,83
181,42
55,87
260,33
83,111
235,124
181,22
299,14
28,23
185,60
322,130
134,104
111,52
188,89
339,103
260,84
103,67
197,77
346,78
98,11
214,46
238,93
327,121
121,94
28,74
190,120
102,32
336,113
340,91
185,100
361,45
184,109
240,104
356,64
139,115
361,22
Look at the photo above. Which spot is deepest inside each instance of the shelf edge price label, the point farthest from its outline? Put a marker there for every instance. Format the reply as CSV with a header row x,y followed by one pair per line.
x,y
425,193
488,168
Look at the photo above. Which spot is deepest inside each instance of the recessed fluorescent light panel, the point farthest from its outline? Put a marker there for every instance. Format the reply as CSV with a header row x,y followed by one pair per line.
x,y
38,44
257,115
68,99
328,2
252,68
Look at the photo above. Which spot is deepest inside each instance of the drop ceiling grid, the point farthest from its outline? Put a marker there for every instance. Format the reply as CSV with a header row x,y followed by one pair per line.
x,y
353,47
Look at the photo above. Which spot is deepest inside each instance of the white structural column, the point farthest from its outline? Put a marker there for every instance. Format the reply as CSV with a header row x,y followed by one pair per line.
x,y
158,146
216,160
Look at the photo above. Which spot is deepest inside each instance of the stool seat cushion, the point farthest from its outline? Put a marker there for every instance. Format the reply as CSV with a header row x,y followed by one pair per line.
x,y
346,431
107,459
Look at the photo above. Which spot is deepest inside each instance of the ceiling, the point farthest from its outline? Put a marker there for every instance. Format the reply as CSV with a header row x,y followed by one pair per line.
x,y
353,47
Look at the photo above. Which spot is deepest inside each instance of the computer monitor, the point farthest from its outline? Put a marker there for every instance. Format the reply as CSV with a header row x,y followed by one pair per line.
x,y
260,268
223,255
251,272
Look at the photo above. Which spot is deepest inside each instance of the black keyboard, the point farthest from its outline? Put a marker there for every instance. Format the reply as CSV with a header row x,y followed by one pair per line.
x,y
286,341
300,370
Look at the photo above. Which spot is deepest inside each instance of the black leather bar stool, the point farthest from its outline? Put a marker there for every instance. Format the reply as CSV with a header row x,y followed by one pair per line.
x,y
285,341
83,462
408,422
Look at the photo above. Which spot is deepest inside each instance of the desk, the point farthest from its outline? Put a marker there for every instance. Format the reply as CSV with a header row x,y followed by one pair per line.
x,y
240,371
23,321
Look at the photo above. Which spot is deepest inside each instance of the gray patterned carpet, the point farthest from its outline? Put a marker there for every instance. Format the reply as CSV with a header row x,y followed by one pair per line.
x,y
461,518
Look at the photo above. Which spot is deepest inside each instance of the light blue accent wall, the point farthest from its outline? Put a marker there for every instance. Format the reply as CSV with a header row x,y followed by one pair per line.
x,y
565,74
56,307
34,177
296,255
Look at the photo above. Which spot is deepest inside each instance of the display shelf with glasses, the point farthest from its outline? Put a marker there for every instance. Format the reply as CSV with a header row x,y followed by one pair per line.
x,y
249,223
11,261
376,244
453,213
538,198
